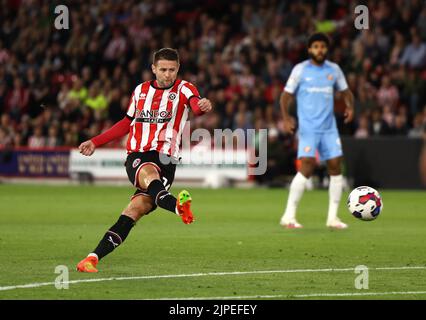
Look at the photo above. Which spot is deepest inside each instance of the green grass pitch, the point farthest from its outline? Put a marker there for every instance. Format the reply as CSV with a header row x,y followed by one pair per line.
x,y
235,235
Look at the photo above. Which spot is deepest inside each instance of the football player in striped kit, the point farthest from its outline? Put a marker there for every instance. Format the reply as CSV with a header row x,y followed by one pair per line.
x,y
154,122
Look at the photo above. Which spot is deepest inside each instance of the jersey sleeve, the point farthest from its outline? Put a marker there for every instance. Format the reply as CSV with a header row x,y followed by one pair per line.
x,y
341,83
131,108
190,91
118,130
294,79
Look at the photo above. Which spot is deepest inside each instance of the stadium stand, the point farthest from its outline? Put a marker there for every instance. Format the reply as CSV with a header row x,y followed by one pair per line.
x,y
59,87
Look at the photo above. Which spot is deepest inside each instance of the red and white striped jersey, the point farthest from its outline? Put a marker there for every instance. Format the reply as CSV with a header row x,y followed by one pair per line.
x,y
159,116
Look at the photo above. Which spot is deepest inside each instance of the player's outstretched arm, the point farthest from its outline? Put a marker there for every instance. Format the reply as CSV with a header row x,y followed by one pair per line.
x,y
348,98
288,121
118,130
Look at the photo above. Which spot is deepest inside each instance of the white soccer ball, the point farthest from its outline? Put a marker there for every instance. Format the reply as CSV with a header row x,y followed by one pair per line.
x,y
365,203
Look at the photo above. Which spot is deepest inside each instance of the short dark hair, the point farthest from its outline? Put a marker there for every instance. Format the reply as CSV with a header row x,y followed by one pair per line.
x,y
166,54
318,37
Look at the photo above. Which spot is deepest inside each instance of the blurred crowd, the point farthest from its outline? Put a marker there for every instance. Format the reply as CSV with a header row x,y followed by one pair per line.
x,y
60,87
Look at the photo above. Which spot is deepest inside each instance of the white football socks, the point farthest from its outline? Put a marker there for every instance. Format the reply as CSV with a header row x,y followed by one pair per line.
x,y
335,193
297,187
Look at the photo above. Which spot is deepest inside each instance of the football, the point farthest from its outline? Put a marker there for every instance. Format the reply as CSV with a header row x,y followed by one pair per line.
x,y
365,203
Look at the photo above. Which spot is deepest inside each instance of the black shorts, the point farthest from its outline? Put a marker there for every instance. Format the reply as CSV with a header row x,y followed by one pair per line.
x,y
165,165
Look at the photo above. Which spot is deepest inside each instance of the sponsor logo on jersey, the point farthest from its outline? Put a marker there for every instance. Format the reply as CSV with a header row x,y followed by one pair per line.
x,y
154,116
326,90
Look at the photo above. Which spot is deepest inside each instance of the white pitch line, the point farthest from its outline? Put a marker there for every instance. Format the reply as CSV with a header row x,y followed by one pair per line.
x,y
207,274
310,295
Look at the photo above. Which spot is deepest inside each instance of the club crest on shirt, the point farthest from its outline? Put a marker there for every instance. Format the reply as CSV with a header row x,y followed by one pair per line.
x,y
136,163
172,96
330,77
307,149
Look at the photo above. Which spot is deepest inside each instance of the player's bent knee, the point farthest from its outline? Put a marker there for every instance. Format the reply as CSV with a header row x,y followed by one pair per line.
x,y
134,214
147,174
138,207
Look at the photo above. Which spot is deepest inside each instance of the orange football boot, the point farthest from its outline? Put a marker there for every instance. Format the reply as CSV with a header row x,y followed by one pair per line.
x,y
183,205
88,264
